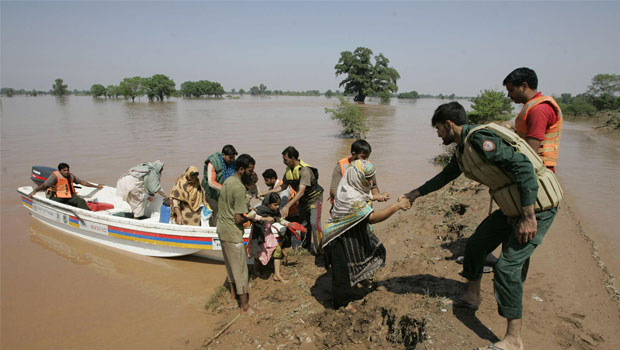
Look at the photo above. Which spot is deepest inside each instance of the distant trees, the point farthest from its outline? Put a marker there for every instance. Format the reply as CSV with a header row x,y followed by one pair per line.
x,y
158,86
604,91
603,94
411,94
201,88
97,90
131,88
489,106
576,105
254,90
329,93
113,91
365,78
59,89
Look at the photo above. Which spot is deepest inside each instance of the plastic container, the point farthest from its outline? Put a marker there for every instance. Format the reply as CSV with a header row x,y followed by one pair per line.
x,y
164,214
97,206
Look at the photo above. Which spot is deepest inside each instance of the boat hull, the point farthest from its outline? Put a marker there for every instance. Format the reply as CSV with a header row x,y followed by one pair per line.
x,y
144,237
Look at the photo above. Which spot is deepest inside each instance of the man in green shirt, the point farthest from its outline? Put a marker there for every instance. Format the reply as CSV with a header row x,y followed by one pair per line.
x,y
233,206
519,235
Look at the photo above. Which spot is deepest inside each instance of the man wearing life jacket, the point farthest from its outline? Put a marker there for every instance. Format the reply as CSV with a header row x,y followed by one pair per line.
x,y
360,149
303,179
61,182
218,167
525,190
540,120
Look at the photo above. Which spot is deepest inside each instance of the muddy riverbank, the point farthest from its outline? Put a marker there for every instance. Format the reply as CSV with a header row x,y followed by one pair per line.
x,y
567,300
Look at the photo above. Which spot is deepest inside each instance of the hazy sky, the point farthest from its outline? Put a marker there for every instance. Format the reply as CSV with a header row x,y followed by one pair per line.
x,y
445,47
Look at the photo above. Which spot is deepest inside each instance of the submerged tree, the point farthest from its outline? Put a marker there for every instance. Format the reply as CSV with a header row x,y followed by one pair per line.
x,y
158,86
365,78
354,123
132,87
60,89
97,90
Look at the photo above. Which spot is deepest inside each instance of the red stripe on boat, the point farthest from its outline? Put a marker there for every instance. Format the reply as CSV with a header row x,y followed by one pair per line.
x,y
189,238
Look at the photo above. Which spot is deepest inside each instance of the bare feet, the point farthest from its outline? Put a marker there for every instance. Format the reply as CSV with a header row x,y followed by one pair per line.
x,y
279,278
249,310
459,302
503,345
350,308
512,339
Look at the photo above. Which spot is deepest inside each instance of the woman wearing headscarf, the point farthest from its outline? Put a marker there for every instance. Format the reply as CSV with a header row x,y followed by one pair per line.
x,y
139,184
349,243
186,198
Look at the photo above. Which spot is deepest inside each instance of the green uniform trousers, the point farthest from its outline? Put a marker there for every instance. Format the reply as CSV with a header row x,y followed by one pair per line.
x,y
498,229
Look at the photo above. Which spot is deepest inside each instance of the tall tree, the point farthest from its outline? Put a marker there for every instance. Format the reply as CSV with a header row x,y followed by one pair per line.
x,y
365,78
131,87
604,91
60,89
604,84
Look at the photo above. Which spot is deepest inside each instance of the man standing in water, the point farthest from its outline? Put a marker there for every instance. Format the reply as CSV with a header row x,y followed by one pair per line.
x,y
514,174
218,167
233,207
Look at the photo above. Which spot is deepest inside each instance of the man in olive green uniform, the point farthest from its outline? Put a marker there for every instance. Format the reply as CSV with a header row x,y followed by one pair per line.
x,y
303,179
233,205
519,233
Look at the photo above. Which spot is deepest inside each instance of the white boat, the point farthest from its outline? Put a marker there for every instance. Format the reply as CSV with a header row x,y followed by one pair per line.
x,y
146,237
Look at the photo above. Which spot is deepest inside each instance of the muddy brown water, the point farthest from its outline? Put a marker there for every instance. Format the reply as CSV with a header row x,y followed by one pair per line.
x,y
59,291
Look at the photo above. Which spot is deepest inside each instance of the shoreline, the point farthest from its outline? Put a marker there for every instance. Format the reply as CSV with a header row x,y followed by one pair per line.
x,y
567,299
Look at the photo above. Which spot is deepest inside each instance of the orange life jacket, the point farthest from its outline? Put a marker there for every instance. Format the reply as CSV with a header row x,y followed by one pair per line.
x,y
64,188
344,164
550,146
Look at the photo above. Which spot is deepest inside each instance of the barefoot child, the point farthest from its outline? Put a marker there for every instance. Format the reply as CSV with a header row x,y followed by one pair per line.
x,y
262,242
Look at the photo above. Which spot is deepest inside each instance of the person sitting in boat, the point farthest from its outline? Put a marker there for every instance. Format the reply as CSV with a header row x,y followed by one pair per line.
x,y
61,182
187,198
139,185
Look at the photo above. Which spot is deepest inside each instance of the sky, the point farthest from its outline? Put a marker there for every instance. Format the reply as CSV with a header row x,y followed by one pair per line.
x,y
437,47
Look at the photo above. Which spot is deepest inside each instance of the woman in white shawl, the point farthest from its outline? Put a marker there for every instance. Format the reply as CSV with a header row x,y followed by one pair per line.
x,y
139,184
349,243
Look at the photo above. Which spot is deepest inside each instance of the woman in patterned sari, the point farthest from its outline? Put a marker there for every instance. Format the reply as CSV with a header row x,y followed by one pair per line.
x,y
186,198
349,243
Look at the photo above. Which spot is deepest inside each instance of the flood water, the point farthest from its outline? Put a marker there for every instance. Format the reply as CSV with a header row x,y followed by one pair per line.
x,y
59,291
